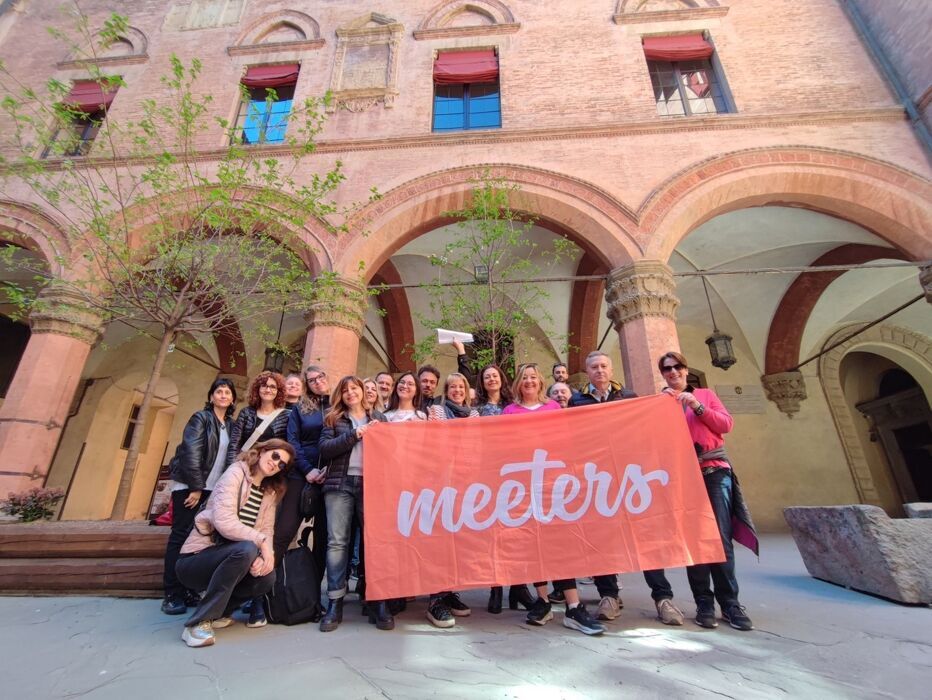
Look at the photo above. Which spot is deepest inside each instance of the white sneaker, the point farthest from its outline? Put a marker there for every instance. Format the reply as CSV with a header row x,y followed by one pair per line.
x,y
668,613
222,622
201,635
609,608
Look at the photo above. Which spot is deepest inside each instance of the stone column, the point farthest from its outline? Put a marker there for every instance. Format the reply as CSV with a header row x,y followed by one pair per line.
x,y
642,305
334,327
925,279
786,389
33,414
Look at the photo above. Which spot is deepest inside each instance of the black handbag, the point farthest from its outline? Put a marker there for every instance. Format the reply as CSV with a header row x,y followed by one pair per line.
x,y
295,596
312,496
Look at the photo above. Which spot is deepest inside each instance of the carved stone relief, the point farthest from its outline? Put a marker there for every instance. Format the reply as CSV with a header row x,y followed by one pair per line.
x,y
365,68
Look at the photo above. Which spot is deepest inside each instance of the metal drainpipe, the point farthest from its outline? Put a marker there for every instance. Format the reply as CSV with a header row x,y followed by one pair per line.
x,y
890,73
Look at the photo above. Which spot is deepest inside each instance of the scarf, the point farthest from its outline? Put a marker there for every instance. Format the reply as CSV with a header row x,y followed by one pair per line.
x,y
455,410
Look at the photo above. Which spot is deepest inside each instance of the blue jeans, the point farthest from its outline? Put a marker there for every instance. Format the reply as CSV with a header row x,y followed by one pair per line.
x,y
341,505
718,484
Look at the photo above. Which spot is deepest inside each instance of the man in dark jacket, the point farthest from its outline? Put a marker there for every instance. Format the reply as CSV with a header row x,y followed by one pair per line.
x,y
602,388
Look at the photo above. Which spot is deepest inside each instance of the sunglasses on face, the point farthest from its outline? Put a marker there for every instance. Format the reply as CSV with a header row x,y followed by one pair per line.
x,y
279,460
678,367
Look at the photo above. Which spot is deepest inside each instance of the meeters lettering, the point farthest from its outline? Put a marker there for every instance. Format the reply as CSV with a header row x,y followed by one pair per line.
x,y
425,508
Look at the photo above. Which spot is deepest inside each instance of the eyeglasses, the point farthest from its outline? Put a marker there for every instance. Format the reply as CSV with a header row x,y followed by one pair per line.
x,y
316,378
278,459
407,383
271,387
677,367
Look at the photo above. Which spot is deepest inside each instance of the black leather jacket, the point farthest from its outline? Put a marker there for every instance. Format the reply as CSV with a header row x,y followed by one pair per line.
x,y
195,455
336,445
246,423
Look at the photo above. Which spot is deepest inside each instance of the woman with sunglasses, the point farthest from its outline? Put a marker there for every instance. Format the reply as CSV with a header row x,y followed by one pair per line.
x,y
229,553
528,390
264,418
708,420
341,452
305,424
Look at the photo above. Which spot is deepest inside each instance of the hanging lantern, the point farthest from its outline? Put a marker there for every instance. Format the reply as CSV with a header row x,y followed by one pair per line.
x,y
720,349
723,355
274,359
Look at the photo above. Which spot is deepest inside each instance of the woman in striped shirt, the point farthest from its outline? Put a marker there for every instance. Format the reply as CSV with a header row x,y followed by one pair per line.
x,y
229,552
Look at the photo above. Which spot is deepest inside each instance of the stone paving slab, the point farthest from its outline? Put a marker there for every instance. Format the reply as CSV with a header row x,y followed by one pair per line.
x,y
813,640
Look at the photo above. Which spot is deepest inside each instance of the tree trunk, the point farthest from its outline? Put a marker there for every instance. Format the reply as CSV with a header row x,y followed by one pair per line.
x,y
132,454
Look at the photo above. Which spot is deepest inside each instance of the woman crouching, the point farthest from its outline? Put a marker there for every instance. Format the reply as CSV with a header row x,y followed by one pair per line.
x,y
229,552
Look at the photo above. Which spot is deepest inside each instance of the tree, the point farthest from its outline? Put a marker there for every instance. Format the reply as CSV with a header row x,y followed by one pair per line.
x,y
157,236
488,280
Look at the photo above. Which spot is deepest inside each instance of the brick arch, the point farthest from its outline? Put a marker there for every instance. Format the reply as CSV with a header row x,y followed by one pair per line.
x,y
398,322
440,16
253,34
28,226
887,200
585,308
587,215
311,242
784,339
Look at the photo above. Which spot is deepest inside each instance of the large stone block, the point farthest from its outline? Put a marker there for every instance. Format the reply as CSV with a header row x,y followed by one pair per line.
x,y
860,547
918,510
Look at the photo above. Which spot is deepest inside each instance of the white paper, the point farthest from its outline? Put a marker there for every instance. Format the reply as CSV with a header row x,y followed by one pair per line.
x,y
445,337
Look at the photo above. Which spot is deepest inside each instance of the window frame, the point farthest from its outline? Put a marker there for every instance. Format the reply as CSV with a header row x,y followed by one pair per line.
x,y
466,112
242,114
715,80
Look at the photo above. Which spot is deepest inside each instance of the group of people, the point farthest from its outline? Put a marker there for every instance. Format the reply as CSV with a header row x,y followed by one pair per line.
x,y
237,489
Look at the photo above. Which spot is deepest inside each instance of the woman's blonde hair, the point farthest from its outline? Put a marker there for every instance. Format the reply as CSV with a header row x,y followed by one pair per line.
x,y
456,377
519,375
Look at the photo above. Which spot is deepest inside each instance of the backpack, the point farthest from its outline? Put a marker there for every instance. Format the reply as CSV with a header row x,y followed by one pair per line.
x,y
295,597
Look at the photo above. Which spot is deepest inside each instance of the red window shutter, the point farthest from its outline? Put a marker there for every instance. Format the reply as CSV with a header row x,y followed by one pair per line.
x,y
685,47
275,76
460,67
89,96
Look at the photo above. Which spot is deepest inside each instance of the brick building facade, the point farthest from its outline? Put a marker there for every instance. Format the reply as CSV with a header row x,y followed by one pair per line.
x,y
782,145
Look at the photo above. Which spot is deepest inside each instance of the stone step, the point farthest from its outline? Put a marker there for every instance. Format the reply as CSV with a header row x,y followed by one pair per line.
x,y
82,576
79,539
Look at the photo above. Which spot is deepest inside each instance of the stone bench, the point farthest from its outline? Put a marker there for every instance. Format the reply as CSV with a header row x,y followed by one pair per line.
x,y
860,547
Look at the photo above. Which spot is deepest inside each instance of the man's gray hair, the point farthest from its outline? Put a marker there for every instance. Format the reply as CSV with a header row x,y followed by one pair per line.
x,y
596,353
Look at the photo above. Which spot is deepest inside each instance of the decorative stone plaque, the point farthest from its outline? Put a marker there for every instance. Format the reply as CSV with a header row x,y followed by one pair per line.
x,y
742,398
365,68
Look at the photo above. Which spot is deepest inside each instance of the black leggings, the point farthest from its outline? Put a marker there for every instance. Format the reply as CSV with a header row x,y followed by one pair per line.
x,y
289,519
182,522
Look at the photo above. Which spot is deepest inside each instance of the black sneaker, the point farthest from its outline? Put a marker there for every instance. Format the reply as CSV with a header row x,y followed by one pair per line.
x,y
440,614
457,606
736,616
192,599
257,616
578,618
174,605
540,613
705,615
557,597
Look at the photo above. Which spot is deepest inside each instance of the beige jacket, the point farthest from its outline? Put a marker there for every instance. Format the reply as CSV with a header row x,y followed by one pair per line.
x,y
221,514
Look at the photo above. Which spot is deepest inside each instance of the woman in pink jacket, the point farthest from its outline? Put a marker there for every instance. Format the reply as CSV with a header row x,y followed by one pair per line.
x,y
228,554
708,420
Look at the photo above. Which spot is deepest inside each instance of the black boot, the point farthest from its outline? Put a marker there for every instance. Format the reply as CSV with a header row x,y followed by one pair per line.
x,y
495,600
333,617
380,615
520,595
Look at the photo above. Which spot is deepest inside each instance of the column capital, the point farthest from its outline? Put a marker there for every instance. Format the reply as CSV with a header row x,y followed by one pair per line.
x,y
65,312
786,389
639,290
342,303
925,279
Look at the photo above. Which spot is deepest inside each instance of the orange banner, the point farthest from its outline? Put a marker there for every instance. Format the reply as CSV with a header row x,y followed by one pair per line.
x,y
584,491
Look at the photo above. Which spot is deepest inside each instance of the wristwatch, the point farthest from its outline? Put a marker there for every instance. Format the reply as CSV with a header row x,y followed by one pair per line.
x,y
699,410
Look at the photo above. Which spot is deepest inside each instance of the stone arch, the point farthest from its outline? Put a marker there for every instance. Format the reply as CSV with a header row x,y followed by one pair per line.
x,y
909,350
464,18
887,200
28,226
583,212
287,29
131,47
635,6
789,321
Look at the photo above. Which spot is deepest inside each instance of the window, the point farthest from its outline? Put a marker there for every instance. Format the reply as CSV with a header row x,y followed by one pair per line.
x,y
263,113
87,104
466,91
131,426
685,82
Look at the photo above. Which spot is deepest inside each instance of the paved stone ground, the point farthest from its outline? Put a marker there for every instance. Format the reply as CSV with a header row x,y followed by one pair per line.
x,y
813,640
